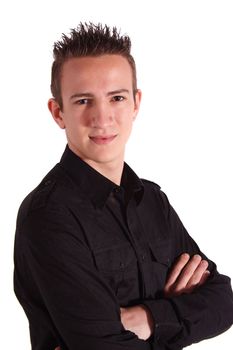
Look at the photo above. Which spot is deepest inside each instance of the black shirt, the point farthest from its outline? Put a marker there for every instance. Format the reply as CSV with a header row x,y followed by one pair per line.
x,y
85,247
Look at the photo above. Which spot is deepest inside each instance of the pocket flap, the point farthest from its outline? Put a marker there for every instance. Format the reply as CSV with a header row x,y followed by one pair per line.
x,y
115,258
161,252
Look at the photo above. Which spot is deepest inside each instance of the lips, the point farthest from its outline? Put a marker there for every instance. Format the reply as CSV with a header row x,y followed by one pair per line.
x,y
103,139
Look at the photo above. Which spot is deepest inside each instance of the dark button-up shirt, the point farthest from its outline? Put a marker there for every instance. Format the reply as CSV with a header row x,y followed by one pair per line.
x,y
85,247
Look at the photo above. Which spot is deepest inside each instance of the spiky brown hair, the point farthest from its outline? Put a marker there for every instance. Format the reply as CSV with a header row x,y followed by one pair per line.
x,y
89,39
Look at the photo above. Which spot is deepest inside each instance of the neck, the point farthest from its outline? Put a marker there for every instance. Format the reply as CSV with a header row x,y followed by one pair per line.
x,y
112,171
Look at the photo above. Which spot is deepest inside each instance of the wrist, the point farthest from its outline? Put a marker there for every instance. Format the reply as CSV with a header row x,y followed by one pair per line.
x,y
138,319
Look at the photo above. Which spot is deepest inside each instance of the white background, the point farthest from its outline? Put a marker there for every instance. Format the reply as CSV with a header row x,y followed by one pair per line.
x,y
182,138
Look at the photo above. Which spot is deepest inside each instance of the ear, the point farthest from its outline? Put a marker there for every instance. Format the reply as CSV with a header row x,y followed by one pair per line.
x,y
56,112
138,97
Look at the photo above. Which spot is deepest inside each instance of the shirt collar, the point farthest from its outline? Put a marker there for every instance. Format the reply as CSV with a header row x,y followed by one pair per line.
x,y
95,186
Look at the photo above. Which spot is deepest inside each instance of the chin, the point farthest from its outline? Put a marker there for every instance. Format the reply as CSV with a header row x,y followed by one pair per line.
x,y
105,158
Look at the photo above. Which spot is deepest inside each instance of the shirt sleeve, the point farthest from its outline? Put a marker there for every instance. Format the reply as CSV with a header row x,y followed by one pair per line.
x,y
83,309
204,313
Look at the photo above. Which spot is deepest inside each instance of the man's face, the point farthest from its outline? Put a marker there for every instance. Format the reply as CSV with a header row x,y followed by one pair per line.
x,y
98,107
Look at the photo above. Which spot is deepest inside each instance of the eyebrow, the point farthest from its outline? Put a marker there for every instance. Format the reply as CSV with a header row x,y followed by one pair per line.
x,y
81,94
88,94
114,92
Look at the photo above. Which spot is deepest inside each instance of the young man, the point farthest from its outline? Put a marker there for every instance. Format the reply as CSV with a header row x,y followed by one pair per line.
x,y
102,260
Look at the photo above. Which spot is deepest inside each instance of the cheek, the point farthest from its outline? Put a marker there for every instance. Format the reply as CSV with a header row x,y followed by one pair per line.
x,y
74,121
74,129
126,127
125,117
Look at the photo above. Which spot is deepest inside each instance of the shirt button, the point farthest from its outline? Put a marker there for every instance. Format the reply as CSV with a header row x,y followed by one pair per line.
x,y
122,265
143,257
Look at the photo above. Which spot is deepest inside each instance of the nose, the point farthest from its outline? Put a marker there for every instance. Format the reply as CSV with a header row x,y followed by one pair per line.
x,y
101,115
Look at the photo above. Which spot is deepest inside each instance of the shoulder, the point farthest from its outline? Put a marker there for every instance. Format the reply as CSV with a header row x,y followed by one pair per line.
x,y
150,184
152,188
154,191
51,213
51,191
46,213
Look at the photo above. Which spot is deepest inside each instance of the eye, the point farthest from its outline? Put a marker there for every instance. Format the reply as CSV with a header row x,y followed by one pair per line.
x,y
82,101
118,98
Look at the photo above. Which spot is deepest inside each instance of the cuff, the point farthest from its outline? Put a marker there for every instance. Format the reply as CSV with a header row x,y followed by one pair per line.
x,y
166,322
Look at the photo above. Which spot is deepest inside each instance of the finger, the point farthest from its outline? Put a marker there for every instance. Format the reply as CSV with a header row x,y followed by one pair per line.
x,y
204,277
176,270
190,287
187,273
197,275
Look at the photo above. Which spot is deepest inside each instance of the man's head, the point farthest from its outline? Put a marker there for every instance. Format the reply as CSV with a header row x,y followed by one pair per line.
x,y
96,99
89,40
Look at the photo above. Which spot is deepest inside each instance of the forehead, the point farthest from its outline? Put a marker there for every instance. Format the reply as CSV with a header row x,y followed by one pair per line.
x,y
105,69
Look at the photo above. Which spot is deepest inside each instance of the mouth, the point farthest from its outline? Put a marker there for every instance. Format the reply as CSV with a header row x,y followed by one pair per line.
x,y
103,139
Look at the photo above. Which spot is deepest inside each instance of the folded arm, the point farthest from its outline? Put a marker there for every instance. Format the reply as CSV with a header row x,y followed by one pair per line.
x,y
190,314
186,274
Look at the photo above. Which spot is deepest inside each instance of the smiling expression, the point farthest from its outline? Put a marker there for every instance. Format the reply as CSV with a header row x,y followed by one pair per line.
x,y
99,107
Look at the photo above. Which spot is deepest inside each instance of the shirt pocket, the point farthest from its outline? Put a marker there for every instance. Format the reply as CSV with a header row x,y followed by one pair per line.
x,y
118,266
160,255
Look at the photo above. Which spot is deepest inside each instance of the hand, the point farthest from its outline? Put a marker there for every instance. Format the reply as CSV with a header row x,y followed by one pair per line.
x,y
187,274
138,319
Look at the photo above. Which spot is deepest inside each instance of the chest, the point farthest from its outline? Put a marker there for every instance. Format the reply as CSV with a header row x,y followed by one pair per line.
x,y
130,248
